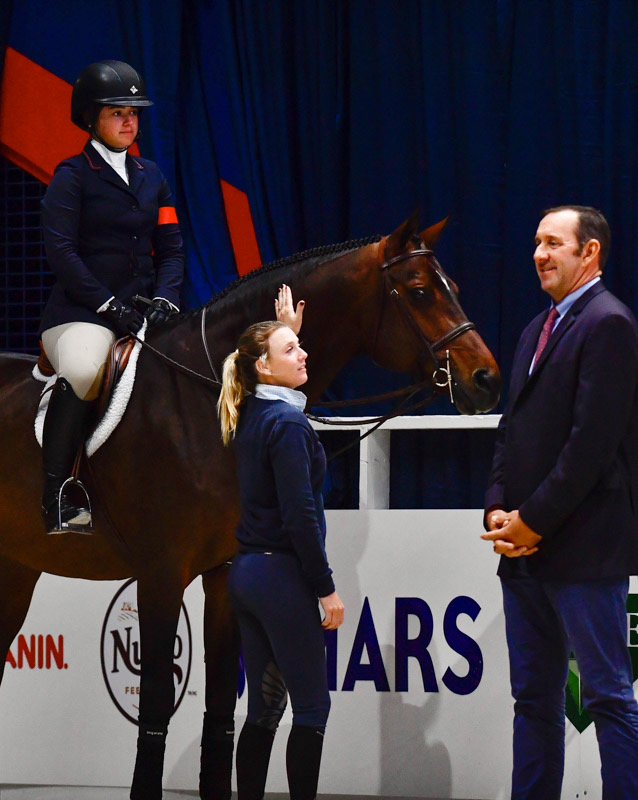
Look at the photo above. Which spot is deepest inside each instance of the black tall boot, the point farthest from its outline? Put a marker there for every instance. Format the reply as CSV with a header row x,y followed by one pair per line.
x,y
303,758
253,757
64,428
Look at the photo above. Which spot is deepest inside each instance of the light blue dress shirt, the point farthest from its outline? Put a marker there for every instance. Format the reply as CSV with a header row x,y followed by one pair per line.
x,y
563,307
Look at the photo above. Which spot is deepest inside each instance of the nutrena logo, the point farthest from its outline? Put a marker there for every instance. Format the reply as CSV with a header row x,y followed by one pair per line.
x,y
574,707
37,652
121,657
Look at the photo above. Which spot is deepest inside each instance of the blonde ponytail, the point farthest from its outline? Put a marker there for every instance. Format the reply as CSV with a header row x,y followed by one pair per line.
x,y
231,397
239,376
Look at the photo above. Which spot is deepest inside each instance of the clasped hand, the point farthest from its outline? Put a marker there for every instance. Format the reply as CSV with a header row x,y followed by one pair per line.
x,y
510,535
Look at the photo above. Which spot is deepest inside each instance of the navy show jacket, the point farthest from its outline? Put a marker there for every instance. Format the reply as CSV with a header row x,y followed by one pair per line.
x,y
281,466
567,445
105,238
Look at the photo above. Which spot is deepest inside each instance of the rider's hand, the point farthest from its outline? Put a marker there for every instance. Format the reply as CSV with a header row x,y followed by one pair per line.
x,y
285,310
160,310
123,318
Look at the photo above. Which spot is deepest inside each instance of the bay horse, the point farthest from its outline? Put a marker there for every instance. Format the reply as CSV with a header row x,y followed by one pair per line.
x,y
163,486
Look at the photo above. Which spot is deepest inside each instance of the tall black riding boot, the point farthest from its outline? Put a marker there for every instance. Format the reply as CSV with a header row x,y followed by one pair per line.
x,y
253,757
64,428
303,758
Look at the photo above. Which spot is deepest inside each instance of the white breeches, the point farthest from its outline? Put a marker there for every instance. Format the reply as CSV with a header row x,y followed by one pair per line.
x,y
77,352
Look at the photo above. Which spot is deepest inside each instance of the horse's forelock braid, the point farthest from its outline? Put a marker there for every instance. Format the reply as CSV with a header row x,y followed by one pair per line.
x,y
296,258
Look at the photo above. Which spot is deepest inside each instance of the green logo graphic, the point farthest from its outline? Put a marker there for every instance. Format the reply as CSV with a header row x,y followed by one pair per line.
x,y
574,709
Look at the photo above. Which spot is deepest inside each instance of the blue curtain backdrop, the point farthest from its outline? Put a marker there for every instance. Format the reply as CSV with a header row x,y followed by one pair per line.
x,y
338,117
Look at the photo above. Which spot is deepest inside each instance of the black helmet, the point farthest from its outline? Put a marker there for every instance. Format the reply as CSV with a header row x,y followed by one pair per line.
x,y
106,83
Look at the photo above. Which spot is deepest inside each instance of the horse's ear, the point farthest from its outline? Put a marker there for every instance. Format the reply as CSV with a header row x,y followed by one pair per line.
x,y
430,236
398,240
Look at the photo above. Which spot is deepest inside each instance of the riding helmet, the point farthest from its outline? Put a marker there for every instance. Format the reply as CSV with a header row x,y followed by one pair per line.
x,y
106,83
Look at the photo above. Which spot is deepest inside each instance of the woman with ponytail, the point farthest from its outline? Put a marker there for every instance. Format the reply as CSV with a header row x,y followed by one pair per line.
x,y
280,574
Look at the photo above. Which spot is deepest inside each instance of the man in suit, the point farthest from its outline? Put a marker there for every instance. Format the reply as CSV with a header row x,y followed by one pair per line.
x,y
561,510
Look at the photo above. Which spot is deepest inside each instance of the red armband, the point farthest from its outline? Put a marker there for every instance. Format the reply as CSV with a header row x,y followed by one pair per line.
x,y
166,214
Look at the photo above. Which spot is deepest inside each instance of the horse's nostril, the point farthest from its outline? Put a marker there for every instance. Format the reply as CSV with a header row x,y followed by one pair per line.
x,y
485,381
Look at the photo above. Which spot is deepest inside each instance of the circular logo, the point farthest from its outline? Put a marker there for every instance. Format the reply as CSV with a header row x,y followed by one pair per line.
x,y
121,657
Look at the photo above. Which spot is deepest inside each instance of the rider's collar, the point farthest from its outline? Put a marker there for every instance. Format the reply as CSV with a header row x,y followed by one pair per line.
x,y
115,159
268,391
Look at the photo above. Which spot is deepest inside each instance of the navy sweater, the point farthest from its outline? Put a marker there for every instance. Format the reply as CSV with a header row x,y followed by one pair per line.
x,y
281,466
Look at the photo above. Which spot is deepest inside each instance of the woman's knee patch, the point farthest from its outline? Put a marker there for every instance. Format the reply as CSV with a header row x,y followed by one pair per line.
x,y
274,697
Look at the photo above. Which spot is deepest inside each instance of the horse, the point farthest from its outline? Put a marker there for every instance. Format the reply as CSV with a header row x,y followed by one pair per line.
x,y
171,506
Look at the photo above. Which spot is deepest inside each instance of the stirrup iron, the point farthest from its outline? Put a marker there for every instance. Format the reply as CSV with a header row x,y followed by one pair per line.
x,y
83,522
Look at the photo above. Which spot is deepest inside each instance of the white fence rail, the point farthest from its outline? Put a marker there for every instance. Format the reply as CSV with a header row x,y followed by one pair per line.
x,y
374,450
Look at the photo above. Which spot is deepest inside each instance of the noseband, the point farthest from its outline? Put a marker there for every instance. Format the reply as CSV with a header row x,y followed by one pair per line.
x,y
442,375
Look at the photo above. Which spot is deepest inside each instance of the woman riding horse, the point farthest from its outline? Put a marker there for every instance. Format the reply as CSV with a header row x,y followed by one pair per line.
x,y
110,232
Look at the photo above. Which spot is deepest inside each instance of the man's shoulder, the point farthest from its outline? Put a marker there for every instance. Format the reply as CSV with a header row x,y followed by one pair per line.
x,y
605,301
605,308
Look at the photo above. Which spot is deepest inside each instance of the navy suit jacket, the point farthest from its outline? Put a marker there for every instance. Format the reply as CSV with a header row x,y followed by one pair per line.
x,y
105,238
567,448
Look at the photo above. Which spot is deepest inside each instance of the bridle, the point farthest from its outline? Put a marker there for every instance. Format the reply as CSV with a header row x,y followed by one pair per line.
x,y
442,374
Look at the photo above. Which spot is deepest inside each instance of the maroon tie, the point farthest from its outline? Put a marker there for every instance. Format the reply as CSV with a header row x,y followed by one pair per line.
x,y
545,333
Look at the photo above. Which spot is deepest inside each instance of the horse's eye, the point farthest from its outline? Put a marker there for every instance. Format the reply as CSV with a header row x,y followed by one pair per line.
x,y
419,295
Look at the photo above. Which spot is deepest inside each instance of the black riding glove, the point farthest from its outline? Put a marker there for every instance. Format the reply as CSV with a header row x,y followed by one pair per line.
x,y
124,318
159,311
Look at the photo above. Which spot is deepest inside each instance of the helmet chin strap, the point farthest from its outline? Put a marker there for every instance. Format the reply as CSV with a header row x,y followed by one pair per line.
x,y
95,135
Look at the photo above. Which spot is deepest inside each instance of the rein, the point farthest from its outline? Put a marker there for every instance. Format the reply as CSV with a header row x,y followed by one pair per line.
x,y
181,367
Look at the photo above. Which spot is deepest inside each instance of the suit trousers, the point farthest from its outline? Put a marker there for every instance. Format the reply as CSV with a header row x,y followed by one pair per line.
x,y
545,619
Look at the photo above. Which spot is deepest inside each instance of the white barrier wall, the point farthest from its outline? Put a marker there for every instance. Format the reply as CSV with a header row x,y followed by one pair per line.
x,y
421,701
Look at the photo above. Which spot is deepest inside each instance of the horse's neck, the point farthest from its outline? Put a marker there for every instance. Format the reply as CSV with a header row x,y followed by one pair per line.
x,y
341,308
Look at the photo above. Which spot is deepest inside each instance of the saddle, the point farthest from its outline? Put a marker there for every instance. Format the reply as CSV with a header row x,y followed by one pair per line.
x,y
116,362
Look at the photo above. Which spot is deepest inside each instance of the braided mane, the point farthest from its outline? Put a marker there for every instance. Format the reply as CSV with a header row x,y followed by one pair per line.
x,y
317,254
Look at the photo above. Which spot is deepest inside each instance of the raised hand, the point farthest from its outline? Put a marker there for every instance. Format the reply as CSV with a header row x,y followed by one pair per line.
x,y
285,309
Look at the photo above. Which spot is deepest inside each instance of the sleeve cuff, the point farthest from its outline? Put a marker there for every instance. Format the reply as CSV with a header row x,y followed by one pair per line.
x,y
323,586
104,306
172,305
